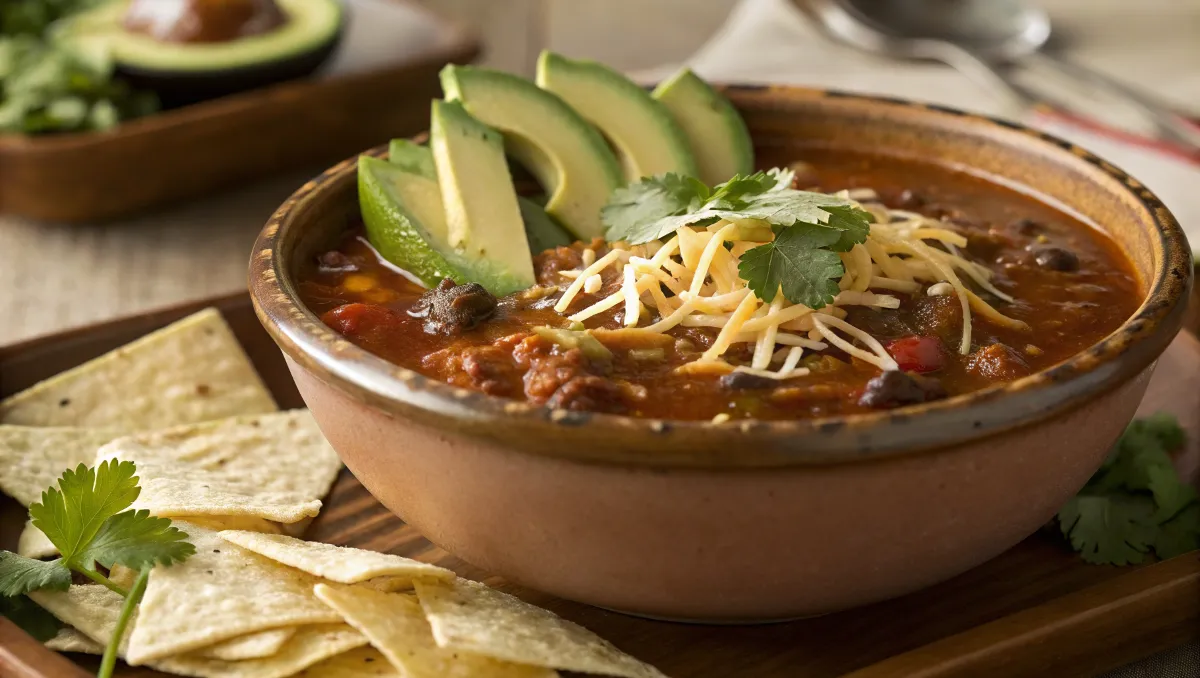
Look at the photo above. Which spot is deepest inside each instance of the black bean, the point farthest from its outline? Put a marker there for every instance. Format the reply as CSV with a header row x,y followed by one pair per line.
x,y
1054,258
744,381
910,200
335,261
894,388
1027,226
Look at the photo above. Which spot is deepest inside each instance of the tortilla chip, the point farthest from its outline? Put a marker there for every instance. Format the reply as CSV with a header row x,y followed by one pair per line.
x,y
364,662
468,616
33,543
249,646
32,459
222,592
94,610
69,639
395,625
194,370
342,564
276,467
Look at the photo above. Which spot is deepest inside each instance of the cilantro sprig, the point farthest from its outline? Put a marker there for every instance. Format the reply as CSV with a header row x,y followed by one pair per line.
x,y
1136,503
810,228
88,519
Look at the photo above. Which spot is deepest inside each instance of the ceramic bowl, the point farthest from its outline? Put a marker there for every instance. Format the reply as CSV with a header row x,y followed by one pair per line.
x,y
744,521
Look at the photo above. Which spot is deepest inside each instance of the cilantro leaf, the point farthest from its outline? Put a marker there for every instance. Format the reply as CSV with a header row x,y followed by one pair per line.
x,y
1171,494
30,617
633,212
1180,534
1136,502
20,575
855,225
72,514
796,263
657,206
135,539
1113,529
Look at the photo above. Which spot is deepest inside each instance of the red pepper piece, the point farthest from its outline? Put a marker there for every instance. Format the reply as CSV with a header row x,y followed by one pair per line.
x,y
917,354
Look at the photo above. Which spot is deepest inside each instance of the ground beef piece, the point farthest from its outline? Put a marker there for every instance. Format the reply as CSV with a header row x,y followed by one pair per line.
x,y
450,309
562,380
744,381
1054,258
589,393
997,362
939,316
894,388
489,369
547,264
548,371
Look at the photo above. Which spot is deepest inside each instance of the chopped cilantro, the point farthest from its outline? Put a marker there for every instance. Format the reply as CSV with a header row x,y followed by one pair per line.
x,y
87,520
1136,503
810,228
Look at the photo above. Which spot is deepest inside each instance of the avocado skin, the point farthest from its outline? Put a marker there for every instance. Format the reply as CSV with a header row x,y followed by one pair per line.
x,y
176,89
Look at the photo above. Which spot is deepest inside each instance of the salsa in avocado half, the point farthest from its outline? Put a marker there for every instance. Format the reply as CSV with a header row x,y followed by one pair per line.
x,y
193,50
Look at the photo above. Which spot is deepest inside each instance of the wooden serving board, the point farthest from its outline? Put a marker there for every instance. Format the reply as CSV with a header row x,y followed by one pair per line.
x,y
1036,610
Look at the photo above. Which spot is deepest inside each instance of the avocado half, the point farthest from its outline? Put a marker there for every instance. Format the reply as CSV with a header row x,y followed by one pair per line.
x,y
186,73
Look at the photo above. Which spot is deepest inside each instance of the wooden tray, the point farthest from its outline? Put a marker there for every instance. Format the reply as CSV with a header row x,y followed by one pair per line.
x,y
1036,610
194,150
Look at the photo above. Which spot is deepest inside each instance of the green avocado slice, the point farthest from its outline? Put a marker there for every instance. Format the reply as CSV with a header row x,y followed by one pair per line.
x,y
541,231
647,140
403,216
483,220
714,128
568,156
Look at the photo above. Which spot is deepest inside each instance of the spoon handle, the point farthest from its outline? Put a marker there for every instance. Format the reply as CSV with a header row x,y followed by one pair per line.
x,y
989,74
1171,126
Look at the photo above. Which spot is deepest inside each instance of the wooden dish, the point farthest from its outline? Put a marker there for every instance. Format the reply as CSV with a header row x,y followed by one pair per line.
x,y
194,150
1035,610
813,515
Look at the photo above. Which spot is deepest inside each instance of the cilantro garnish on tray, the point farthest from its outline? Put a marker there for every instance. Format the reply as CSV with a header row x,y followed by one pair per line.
x,y
810,228
87,518
1136,503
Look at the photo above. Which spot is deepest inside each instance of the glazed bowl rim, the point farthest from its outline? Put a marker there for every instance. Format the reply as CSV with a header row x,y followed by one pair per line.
x,y
1126,352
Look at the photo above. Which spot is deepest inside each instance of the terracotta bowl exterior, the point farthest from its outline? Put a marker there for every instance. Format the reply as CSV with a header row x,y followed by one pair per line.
x,y
745,521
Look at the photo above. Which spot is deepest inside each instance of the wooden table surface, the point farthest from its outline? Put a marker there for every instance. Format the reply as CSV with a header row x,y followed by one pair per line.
x,y
55,276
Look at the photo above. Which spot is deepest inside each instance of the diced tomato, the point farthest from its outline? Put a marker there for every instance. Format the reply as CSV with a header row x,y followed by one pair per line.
x,y
366,323
917,354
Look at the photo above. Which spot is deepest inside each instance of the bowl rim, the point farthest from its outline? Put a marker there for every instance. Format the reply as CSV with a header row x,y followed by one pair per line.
x,y
642,442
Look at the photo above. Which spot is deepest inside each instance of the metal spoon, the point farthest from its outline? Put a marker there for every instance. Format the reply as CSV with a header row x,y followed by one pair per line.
x,y
978,37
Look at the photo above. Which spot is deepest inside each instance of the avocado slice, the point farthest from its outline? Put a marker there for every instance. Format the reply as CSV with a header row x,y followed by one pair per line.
x,y
405,223
541,231
567,155
182,73
715,130
483,220
647,140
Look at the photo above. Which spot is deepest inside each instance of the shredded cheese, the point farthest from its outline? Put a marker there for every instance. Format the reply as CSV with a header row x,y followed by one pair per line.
x,y
599,265
633,304
692,280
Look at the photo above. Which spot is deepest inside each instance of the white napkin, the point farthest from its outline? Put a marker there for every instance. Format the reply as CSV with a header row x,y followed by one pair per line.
x,y
771,41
